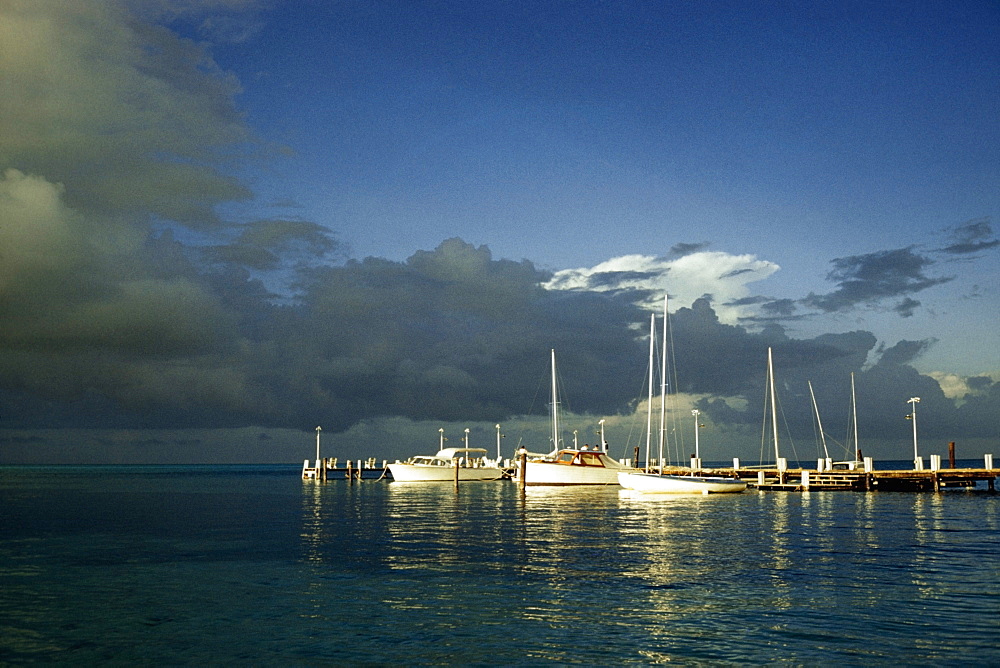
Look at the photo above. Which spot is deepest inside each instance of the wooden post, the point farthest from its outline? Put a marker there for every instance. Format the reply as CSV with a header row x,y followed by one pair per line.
x,y
635,461
951,455
523,469
456,475
350,473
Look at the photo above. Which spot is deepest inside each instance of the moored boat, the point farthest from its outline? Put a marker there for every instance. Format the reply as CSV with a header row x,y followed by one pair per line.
x,y
573,467
568,466
656,483
469,464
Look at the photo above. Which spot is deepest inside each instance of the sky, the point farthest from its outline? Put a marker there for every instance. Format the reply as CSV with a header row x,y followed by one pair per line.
x,y
223,223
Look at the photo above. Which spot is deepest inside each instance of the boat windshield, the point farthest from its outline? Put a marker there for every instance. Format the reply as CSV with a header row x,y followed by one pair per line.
x,y
579,458
424,460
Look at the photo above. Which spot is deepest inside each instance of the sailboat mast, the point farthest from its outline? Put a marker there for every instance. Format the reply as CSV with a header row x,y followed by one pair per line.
x,y
649,403
819,422
663,385
854,418
555,405
774,406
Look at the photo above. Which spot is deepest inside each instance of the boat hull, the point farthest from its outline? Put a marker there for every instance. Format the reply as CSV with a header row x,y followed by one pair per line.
x,y
419,473
551,473
652,483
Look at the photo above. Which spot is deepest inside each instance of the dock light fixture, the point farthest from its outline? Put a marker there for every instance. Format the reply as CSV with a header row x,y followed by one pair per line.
x,y
604,445
466,437
318,430
696,413
913,401
443,439
499,436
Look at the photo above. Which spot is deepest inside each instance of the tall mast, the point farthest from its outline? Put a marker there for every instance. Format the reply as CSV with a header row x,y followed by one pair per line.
x,y
663,385
774,406
854,418
819,422
649,403
555,405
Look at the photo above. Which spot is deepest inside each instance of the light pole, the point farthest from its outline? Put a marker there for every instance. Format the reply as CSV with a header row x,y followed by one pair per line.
x,y
499,436
318,430
466,437
576,445
913,401
441,442
697,452
604,445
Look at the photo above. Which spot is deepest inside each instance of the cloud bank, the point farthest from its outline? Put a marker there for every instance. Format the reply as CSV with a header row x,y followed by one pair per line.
x,y
129,302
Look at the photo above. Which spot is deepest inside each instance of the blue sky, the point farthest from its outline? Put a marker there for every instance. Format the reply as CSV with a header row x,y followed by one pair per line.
x,y
229,215
570,133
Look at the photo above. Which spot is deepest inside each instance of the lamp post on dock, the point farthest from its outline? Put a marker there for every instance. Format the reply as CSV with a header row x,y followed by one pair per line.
x,y
442,439
604,445
466,437
697,452
499,436
318,430
913,401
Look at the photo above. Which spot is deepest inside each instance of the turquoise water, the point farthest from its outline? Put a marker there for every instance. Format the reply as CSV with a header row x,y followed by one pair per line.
x,y
221,565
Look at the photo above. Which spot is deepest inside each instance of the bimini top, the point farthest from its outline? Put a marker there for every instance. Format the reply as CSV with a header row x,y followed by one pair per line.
x,y
453,453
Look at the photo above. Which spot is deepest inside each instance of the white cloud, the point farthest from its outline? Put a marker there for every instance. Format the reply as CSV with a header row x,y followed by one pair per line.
x,y
722,275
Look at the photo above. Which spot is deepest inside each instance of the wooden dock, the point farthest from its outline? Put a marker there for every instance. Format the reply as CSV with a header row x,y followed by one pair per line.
x,y
331,469
802,480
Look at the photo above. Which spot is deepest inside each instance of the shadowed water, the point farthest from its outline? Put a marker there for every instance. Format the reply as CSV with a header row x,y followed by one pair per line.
x,y
212,565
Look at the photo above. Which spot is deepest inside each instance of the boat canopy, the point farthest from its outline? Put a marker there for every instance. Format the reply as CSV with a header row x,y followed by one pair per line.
x,y
452,453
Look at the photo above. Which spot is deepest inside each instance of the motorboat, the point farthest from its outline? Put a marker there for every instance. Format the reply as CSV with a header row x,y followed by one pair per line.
x,y
573,466
469,464
568,466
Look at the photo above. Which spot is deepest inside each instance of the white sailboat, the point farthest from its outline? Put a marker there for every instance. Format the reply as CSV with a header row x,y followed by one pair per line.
x,y
569,466
858,461
670,483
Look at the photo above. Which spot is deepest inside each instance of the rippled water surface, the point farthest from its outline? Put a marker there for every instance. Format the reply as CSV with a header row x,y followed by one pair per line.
x,y
213,565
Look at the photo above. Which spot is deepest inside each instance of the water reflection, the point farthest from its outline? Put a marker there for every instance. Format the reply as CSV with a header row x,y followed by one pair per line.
x,y
724,578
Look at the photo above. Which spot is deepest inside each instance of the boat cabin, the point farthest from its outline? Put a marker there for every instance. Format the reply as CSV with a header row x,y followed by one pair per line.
x,y
467,458
580,458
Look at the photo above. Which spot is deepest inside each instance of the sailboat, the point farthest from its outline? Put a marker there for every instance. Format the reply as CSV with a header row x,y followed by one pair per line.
x,y
857,462
659,482
569,466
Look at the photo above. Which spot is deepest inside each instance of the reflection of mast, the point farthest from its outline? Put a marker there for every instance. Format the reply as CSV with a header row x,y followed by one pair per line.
x,y
819,422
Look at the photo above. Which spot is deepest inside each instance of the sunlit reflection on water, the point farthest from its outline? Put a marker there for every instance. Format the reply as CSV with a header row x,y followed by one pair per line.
x,y
374,572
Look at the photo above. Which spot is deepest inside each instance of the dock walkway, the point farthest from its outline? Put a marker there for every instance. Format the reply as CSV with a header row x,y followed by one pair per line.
x,y
800,480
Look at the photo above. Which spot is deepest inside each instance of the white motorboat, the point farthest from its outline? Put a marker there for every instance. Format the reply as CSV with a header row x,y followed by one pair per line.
x,y
656,483
470,464
569,466
573,467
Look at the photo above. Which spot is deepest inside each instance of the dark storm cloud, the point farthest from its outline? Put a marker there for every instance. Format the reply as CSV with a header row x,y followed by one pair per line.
x,y
873,277
128,301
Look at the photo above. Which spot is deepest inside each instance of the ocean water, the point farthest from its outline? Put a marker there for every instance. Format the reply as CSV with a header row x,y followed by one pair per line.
x,y
252,566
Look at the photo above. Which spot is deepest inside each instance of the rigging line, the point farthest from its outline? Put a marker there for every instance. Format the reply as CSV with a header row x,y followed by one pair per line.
x,y
678,426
